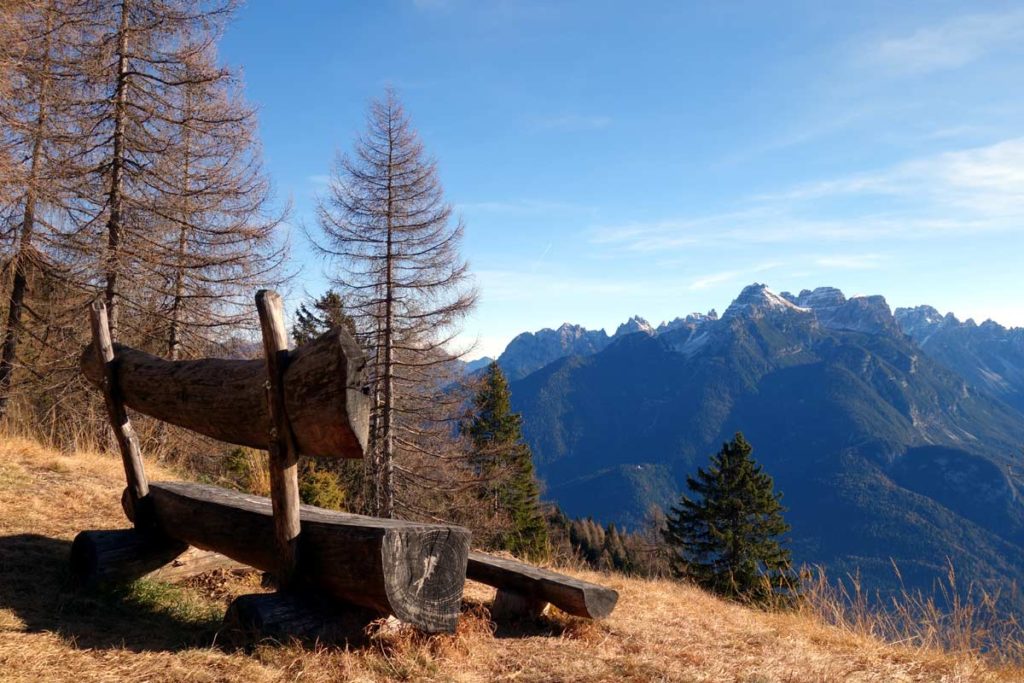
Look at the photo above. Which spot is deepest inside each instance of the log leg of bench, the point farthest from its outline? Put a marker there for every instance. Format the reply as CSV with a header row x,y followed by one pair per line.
x,y
127,441
295,614
120,555
284,466
510,606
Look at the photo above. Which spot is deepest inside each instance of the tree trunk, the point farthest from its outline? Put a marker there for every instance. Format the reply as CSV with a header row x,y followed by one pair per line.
x,y
296,615
386,504
12,334
174,331
115,196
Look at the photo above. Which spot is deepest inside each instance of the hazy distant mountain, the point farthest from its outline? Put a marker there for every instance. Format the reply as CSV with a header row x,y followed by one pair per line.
x,y
478,364
881,450
531,351
633,325
989,356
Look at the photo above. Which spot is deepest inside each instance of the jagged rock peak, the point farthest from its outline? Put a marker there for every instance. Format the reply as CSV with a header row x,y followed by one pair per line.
x,y
571,332
633,325
694,319
924,314
869,314
757,300
821,297
919,322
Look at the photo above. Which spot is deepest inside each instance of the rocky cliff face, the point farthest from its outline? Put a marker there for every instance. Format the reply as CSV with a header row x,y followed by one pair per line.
x,y
989,356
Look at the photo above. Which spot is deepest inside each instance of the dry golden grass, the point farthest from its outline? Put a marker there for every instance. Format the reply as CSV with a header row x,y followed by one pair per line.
x,y
153,632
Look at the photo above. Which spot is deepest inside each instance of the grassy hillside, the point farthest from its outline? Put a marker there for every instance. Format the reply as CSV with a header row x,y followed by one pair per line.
x,y
158,632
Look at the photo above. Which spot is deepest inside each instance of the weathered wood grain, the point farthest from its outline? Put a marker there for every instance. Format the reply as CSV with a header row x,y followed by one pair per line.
x,y
102,355
324,394
283,461
534,585
414,571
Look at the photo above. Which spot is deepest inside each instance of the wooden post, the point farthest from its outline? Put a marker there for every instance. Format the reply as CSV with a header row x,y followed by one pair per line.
x,y
127,441
284,477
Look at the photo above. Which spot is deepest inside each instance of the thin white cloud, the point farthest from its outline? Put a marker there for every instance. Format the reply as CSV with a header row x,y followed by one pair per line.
x,y
964,192
708,281
988,180
951,44
712,279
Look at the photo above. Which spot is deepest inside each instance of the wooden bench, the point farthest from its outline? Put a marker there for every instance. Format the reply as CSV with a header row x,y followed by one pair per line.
x,y
309,401
525,590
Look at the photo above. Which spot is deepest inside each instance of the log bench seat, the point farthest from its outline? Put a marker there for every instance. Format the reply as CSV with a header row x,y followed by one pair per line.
x,y
525,590
413,571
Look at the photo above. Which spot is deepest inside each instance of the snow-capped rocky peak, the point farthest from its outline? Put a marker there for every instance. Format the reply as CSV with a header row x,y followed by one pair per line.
x,y
757,300
821,297
569,333
634,324
920,322
692,320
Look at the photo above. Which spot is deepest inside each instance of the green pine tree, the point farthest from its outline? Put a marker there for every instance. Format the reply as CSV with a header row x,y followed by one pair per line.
x,y
332,484
727,538
321,315
505,463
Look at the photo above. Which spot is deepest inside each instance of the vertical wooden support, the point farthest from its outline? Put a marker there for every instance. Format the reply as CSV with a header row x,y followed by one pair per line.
x,y
127,441
284,478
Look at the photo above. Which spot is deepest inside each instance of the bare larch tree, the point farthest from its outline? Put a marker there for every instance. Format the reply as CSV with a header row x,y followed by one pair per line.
x,y
215,200
395,244
43,137
137,114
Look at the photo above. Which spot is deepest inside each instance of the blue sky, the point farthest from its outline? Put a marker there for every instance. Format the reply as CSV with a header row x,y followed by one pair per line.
x,y
620,158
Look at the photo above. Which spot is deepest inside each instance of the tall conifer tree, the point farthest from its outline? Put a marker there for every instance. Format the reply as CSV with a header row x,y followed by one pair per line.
x,y
395,243
505,463
728,536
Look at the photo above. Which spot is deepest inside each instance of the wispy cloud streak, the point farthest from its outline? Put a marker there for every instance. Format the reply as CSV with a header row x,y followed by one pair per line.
x,y
947,45
958,193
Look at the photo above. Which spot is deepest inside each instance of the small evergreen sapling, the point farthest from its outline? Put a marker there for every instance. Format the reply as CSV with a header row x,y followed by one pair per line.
x,y
727,538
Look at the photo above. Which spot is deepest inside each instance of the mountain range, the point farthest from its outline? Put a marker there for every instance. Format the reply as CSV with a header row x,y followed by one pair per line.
x,y
895,437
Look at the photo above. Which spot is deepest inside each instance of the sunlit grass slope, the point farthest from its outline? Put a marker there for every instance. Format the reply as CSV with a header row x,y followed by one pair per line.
x,y
157,632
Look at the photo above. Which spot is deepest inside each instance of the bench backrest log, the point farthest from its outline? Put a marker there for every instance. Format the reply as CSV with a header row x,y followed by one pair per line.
x,y
323,386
